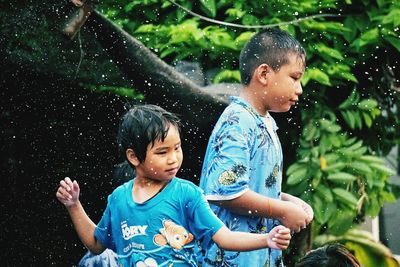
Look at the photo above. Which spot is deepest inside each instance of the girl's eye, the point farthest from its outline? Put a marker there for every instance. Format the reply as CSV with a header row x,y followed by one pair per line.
x,y
161,153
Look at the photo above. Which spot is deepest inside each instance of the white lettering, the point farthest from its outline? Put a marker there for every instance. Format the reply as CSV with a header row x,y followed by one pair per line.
x,y
130,231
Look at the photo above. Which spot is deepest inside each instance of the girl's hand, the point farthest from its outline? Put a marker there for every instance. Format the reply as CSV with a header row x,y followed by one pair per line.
x,y
68,192
279,237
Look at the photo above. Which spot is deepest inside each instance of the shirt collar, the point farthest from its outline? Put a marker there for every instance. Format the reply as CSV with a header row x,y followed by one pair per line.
x,y
246,105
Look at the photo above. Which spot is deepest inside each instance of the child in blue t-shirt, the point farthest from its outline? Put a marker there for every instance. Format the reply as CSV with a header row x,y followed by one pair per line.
x,y
155,218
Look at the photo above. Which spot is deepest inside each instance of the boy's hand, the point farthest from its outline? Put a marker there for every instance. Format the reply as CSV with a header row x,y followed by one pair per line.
x,y
307,208
77,3
68,192
294,217
304,205
279,237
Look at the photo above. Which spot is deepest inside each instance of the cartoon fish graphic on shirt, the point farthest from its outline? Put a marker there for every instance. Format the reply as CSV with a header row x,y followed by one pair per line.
x,y
174,235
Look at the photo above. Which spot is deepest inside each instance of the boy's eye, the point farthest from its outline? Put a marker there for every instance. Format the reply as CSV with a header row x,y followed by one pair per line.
x,y
161,153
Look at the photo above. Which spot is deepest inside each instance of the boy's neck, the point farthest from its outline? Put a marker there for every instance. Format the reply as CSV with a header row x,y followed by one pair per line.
x,y
144,189
254,100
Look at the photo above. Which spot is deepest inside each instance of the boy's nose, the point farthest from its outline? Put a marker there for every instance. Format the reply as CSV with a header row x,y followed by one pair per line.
x,y
172,159
299,89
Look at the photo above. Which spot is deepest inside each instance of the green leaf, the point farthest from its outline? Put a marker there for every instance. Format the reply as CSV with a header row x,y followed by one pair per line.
x,y
242,39
393,41
392,17
371,159
367,119
297,176
335,167
345,197
209,7
227,76
360,167
316,178
367,104
324,192
323,211
342,221
357,119
349,76
341,177
295,167
369,37
355,146
310,131
383,168
318,76
331,52
329,126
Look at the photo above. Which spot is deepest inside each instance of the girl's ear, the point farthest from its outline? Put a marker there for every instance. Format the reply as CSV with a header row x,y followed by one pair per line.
x,y
131,157
261,73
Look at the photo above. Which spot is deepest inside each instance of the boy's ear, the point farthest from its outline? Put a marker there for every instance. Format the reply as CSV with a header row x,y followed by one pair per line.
x,y
261,73
131,157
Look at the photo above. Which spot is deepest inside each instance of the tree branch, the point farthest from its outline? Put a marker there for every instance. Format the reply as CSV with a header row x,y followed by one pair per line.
x,y
160,83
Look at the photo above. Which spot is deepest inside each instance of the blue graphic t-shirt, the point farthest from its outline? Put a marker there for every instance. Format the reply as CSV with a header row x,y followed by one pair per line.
x,y
243,153
160,231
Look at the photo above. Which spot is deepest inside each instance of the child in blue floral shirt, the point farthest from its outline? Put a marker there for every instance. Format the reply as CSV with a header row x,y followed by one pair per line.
x,y
242,169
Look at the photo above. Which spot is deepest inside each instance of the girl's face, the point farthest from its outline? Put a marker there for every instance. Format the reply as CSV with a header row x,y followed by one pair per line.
x,y
163,159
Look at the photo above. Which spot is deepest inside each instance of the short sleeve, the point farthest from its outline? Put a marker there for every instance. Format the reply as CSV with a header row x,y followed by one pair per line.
x,y
103,231
225,173
203,222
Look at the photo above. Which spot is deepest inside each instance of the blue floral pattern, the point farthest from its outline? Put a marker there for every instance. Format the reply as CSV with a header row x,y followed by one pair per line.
x,y
241,155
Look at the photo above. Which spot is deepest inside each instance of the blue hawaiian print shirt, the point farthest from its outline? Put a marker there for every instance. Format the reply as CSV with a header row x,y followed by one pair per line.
x,y
242,154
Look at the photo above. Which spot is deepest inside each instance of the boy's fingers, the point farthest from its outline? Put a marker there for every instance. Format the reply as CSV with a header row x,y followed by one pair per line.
x,y
64,184
63,193
284,230
75,185
68,180
281,243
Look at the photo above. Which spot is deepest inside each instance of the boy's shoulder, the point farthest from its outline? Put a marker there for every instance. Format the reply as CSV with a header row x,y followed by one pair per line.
x,y
123,187
239,114
183,182
186,185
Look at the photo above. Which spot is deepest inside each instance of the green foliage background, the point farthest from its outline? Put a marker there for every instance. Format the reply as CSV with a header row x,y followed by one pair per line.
x,y
350,106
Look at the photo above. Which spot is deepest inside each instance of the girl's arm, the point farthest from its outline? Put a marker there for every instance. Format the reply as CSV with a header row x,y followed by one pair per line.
x,y
278,238
68,194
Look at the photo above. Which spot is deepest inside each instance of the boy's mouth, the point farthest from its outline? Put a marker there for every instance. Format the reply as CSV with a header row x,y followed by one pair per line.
x,y
172,169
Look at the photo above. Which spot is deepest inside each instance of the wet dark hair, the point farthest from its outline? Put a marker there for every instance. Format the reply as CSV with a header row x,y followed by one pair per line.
x,y
143,125
333,255
272,47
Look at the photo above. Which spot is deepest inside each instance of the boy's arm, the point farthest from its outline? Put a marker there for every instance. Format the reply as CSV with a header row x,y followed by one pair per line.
x,y
298,201
254,204
85,228
278,238
68,194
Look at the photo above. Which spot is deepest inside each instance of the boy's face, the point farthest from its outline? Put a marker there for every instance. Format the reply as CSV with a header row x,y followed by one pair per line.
x,y
284,88
163,159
